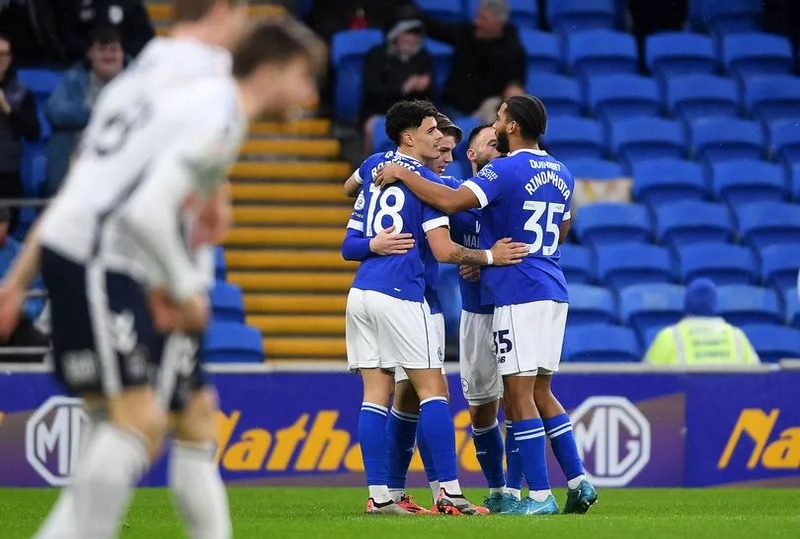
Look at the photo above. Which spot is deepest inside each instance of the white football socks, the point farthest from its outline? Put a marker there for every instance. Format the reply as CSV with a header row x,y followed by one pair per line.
x,y
575,482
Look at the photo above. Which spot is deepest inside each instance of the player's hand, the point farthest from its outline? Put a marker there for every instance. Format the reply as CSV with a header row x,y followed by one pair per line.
x,y
386,242
194,313
471,274
12,297
166,315
389,174
506,252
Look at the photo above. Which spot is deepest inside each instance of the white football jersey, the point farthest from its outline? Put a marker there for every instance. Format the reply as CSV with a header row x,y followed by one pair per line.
x,y
162,135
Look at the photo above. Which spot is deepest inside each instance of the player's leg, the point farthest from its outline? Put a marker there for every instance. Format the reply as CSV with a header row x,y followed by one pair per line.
x,y
558,427
515,475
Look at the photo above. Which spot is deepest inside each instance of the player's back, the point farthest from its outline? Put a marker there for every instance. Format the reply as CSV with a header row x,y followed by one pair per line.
x,y
400,276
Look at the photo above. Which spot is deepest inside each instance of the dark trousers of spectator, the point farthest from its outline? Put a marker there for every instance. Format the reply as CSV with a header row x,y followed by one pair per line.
x,y
26,335
11,187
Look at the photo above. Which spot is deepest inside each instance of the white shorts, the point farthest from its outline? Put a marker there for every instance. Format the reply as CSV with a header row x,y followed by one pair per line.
x,y
385,332
529,337
480,380
438,325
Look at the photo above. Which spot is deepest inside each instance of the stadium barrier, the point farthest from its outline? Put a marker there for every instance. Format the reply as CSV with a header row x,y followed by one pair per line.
x,y
295,424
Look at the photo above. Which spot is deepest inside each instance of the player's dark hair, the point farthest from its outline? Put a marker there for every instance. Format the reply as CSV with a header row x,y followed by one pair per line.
x,y
475,132
105,34
278,42
195,10
530,115
405,115
4,37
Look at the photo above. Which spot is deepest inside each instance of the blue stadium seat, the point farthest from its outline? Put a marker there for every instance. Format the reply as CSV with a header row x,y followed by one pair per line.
x,y
231,342
645,307
590,305
743,181
722,139
773,343
524,13
702,96
561,95
725,16
601,343
742,304
601,52
665,180
576,263
33,168
626,264
573,137
779,267
792,302
670,54
693,221
380,140
755,53
595,169
769,223
542,50
41,82
348,50
772,97
442,60
220,267
723,263
443,10
644,139
467,124
609,223
575,15
621,96
793,175
227,304
784,139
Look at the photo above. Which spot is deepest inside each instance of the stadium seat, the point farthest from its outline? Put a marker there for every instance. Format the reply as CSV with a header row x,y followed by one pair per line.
x,y
442,60
702,96
725,16
542,50
693,221
41,82
573,137
779,267
576,263
723,139
772,97
231,342
755,53
743,304
644,139
645,307
773,343
590,305
380,140
769,223
467,124
348,50
595,169
793,175
227,304
443,10
220,268
575,15
626,264
601,52
621,96
792,302
561,95
666,180
670,54
743,181
601,343
33,168
524,13
784,139
608,223
723,263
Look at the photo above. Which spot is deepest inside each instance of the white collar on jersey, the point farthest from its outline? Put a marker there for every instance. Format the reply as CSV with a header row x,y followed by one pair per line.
x,y
398,152
529,150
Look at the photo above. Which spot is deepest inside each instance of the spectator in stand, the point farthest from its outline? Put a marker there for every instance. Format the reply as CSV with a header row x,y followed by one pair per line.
x,y
18,120
71,103
77,18
327,17
398,69
701,337
488,63
26,334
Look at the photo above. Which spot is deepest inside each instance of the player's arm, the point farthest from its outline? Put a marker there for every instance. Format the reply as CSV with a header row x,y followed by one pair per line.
x,y
503,253
434,194
565,224
356,247
353,185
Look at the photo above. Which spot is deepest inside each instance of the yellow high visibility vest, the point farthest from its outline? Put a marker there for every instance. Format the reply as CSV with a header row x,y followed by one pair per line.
x,y
701,341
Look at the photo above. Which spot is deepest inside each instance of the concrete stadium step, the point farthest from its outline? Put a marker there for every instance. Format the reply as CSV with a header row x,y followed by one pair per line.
x,y
161,12
258,259
303,347
294,281
283,324
295,303
308,127
319,148
290,192
291,215
337,171
329,237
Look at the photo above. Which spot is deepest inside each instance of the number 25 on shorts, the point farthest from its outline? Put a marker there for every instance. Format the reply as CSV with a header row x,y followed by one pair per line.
x,y
502,344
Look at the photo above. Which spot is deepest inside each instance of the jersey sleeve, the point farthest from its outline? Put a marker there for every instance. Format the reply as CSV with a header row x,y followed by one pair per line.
x,y
433,218
486,185
356,221
355,246
571,182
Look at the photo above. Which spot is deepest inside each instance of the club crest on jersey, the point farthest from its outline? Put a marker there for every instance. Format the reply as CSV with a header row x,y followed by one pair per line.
x,y
360,201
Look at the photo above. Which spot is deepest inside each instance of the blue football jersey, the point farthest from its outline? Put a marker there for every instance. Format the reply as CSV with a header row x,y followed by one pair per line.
x,y
400,276
525,196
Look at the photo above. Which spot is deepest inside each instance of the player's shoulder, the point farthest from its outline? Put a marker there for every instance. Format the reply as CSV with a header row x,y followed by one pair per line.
x,y
451,181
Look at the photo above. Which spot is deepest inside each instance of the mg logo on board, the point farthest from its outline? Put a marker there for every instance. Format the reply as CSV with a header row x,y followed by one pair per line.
x,y
613,438
52,438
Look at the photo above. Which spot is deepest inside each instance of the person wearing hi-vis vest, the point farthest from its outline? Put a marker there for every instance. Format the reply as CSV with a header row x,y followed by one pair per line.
x,y
701,337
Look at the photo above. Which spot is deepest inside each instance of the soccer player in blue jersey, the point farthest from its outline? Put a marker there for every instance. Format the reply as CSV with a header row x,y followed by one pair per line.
x,y
526,196
388,322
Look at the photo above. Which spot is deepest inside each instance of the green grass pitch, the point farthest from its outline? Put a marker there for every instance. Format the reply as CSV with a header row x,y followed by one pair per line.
x,y
337,512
